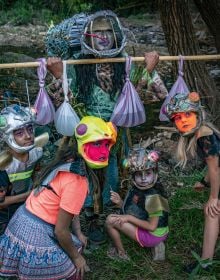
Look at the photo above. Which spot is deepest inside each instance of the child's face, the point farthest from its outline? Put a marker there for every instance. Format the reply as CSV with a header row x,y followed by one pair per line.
x,y
24,136
144,178
98,151
185,121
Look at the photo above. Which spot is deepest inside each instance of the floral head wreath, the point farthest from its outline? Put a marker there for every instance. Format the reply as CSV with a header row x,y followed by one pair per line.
x,y
140,159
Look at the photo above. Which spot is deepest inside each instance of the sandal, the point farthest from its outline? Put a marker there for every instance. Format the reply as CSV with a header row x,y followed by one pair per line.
x,y
113,254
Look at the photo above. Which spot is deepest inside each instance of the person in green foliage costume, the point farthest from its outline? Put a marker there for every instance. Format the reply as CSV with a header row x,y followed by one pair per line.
x,y
95,87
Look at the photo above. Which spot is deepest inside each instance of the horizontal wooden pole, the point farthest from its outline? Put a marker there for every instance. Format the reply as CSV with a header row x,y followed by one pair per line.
x,y
111,60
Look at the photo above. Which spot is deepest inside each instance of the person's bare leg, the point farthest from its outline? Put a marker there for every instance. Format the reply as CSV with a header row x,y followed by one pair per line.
x,y
114,230
211,232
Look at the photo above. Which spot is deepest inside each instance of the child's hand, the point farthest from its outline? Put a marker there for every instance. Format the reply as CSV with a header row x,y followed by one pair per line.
x,y
212,207
83,239
151,60
55,66
115,198
119,219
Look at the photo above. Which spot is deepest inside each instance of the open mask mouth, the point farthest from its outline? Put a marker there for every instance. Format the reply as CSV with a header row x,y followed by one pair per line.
x,y
104,43
102,159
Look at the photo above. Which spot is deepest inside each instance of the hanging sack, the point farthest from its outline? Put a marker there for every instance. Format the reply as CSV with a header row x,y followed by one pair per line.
x,y
43,105
66,118
178,87
129,110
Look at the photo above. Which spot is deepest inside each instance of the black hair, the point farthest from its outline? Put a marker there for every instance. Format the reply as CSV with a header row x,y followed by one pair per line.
x,y
87,79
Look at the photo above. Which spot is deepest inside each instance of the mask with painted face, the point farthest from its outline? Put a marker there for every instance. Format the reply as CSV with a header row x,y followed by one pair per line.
x,y
98,151
95,137
103,35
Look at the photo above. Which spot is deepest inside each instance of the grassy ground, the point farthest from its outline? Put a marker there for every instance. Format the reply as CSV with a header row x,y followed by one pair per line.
x,y
184,241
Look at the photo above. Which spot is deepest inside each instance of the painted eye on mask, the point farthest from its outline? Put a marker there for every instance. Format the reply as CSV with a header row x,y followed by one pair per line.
x,y
96,144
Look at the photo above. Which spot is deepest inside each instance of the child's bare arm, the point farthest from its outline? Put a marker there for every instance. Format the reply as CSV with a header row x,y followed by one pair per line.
x,y
150,225
14,199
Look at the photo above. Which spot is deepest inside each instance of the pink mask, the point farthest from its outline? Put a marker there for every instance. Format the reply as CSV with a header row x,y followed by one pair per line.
x,y
97,151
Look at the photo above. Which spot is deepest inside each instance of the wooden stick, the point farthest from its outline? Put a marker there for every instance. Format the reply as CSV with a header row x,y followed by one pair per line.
x,y
172,129
111,60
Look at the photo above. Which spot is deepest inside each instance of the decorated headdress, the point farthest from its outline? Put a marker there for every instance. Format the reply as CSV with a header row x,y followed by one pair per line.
x,y
91,129
183,103
104,19
139,159
63,40
14,117
70,37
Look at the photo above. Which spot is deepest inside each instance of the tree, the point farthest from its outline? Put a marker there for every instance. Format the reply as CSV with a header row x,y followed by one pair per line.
x,y
180,37
210,12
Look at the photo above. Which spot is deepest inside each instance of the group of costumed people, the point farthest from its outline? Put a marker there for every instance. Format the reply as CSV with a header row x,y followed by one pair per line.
x,y
43,238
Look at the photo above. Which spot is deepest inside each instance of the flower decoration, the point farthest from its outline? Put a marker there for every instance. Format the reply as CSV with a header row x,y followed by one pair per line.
x,y
194,96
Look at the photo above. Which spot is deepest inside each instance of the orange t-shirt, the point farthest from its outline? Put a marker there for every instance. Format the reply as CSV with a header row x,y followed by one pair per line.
x,y
71,190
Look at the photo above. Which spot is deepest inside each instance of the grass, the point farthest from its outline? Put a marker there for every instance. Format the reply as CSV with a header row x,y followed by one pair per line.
x,y
183,244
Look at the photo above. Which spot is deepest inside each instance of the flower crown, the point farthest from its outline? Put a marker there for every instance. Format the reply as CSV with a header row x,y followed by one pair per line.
x,y
140,159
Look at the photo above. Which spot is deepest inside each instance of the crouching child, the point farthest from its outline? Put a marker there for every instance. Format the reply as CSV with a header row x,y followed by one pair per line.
x,y
144,211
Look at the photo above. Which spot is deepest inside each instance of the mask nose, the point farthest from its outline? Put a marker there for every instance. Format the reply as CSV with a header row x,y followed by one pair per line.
x,y
104,150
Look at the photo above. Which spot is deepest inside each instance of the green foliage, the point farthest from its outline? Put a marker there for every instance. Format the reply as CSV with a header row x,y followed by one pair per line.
x,y
24,11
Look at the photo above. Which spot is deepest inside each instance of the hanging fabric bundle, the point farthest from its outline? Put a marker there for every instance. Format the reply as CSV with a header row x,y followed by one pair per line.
x,y
129,110
179,87
43,105
66,118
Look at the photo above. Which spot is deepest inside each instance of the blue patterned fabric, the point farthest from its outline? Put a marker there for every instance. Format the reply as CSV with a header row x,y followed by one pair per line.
x,y
29,250
208,146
